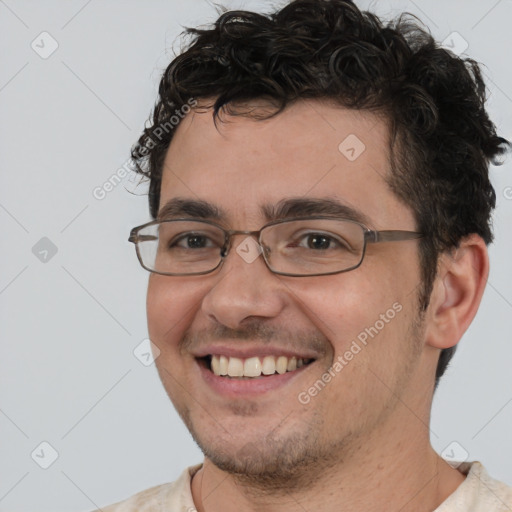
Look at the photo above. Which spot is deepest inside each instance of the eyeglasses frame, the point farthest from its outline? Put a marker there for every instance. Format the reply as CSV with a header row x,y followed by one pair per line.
x,y
370,236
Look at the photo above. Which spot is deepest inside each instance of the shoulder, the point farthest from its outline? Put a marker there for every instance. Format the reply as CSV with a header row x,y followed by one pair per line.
x,y
175,496
479,492
149,500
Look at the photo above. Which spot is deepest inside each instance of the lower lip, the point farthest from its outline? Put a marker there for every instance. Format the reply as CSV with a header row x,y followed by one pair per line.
x,y
236,388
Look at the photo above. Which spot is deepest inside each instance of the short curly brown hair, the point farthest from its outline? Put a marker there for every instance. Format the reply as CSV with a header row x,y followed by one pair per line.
x,y
442,138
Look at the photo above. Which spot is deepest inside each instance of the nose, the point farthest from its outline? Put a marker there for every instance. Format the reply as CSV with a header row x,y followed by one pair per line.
x,y
244,287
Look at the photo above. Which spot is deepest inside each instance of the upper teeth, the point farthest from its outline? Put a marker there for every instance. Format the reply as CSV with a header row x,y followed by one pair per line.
x,y
254,366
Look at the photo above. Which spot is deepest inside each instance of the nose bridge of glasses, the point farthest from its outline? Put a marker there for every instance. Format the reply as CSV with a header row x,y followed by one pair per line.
x,y
235,232
231,233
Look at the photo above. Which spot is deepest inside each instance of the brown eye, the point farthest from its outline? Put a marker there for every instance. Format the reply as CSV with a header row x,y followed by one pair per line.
x,y
191,241
320,242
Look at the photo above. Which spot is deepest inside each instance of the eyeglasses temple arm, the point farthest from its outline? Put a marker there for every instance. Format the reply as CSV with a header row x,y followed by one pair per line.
x,y
134,237
391,236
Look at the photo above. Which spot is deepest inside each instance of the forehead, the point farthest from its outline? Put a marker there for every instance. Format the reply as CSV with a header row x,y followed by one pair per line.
x,y
312,150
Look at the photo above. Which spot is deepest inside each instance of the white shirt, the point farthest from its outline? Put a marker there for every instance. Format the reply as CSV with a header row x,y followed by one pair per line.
x,y
478,493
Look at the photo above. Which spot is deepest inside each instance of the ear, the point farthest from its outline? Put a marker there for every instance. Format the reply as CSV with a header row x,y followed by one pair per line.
x,y
457,291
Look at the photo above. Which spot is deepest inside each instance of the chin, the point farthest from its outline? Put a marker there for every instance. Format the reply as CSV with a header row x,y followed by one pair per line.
x,y
271,461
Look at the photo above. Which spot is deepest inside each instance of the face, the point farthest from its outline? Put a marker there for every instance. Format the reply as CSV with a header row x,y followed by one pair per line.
x,y
355,333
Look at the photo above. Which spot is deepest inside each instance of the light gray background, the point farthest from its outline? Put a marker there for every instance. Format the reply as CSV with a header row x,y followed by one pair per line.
x,y
70,325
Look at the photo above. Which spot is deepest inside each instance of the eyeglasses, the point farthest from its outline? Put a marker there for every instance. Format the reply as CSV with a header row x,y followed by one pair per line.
x,y
309,246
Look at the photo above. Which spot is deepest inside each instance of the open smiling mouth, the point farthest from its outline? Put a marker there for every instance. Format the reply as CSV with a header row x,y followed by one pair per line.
x,y
252,367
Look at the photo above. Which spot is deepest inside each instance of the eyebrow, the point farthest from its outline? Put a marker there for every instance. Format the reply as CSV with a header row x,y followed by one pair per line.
x,y
197,208
306,207
289,208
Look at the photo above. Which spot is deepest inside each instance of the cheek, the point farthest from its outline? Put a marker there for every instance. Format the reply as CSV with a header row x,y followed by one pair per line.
x,y
365,320
343,305
171,303
367,323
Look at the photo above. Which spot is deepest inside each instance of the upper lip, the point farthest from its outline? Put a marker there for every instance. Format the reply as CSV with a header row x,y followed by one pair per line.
x,y
246,351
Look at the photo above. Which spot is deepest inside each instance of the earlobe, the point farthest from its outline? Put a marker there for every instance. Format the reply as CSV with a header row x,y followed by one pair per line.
x,y
457,292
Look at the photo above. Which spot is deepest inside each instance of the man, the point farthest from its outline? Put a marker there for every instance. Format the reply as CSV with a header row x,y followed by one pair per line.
x,y
319,184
